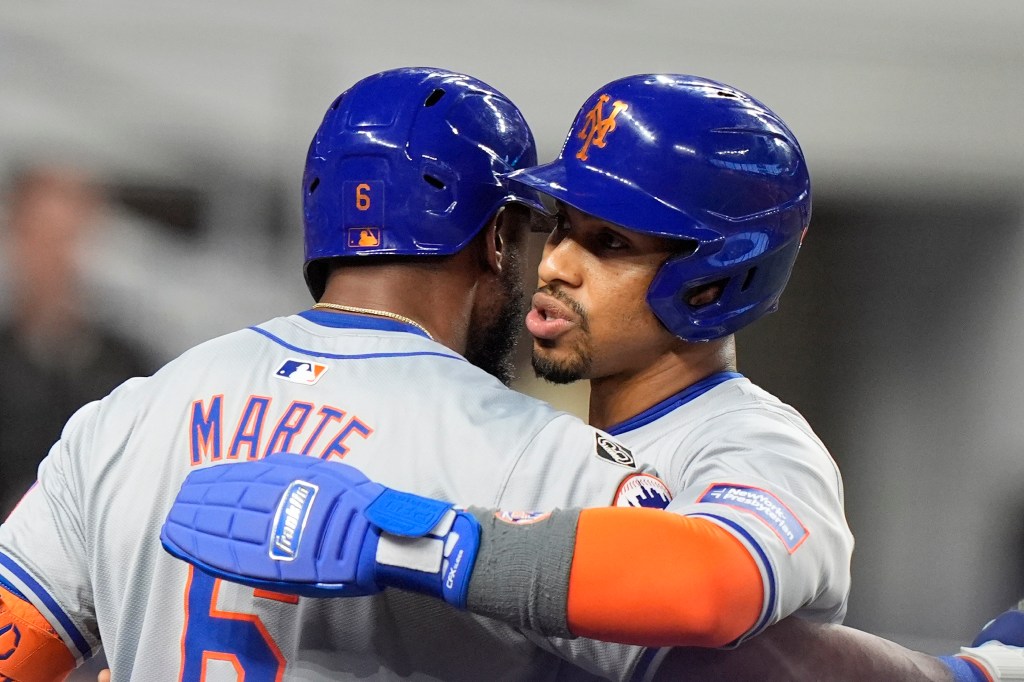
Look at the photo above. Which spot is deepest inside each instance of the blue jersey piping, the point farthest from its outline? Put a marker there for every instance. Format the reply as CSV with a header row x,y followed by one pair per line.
x,y
344,321
688,394
51,604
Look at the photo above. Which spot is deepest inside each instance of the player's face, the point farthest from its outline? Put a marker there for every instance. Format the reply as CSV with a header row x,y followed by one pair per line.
x,y
590,317
495,324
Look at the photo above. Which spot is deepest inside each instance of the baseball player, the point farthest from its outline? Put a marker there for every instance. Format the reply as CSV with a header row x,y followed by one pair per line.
x,y
404,185
79,563
758,531
682,204
736,458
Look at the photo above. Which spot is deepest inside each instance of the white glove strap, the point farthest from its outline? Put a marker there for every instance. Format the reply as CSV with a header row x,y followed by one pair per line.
x,y
1000,661
418,554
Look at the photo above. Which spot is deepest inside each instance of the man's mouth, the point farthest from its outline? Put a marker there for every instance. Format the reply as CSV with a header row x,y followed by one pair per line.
x,y
550,318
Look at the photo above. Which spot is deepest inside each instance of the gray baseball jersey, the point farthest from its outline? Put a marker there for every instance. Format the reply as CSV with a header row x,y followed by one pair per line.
x,y
83,545
410,413
736,455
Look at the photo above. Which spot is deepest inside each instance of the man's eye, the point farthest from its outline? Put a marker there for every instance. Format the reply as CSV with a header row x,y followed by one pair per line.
x,y
610,240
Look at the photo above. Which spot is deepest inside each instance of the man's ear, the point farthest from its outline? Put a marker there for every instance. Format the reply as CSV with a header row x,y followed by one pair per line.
x,y
706,294
494,241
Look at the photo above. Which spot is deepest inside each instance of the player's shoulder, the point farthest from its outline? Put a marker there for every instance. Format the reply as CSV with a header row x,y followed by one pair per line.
x,y
225,354
728,415
742,398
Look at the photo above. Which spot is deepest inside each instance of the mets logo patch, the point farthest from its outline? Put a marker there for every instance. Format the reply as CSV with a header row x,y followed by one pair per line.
x,y
597,125
764,506
301,371
521,518
613,451
642,490
290,520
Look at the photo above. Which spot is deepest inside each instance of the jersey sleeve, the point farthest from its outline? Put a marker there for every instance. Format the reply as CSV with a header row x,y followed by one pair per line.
x,y
43,550
772,484
567,464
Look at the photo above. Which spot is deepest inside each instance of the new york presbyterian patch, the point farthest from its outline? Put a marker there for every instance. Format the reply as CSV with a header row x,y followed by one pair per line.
x,y
764,506
301,371
613,451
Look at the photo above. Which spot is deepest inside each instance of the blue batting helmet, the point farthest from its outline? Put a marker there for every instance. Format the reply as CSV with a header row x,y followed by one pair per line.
x,y
685,157
410,162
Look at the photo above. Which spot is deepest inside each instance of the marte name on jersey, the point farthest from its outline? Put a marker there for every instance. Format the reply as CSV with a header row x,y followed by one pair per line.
x,y
254,427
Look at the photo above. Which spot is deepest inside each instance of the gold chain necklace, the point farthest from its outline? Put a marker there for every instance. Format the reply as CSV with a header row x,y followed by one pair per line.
x,y
372,311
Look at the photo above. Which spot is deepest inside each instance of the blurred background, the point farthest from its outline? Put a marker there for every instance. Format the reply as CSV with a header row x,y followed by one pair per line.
x,y
152,154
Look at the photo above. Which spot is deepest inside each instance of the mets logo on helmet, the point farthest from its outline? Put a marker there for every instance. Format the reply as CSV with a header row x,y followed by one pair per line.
x,y
596,126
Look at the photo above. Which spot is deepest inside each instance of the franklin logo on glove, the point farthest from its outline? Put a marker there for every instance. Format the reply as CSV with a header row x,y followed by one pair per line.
x,y
290,520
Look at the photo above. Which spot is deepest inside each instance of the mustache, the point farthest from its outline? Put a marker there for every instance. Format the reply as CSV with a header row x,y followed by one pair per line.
x,y
569,301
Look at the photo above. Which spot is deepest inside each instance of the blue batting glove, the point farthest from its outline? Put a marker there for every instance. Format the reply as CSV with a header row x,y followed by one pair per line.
x,y
300,525
1008,628
997,653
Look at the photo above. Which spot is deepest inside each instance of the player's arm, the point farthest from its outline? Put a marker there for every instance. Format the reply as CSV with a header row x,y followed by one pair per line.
x,y
30,649
621,574
630,575
44,567
795,650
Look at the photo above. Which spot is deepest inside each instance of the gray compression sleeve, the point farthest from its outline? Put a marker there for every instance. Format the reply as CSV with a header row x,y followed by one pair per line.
x,y
521,575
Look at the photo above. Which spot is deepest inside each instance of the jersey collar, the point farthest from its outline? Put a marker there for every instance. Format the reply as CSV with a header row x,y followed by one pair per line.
x,y
350,321
688,394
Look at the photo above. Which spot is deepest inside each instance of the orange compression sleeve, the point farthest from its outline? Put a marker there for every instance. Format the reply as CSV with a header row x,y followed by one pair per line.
x,y
646,576
30,649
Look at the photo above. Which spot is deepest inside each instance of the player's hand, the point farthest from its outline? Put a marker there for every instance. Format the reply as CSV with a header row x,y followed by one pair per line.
x,y
104,675
1007,628
300,525
997,653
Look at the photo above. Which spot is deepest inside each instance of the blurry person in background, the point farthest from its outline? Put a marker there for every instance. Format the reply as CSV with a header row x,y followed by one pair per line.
x,y
54,356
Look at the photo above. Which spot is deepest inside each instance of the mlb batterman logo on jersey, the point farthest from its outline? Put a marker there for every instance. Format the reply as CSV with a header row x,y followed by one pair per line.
x,y
301,371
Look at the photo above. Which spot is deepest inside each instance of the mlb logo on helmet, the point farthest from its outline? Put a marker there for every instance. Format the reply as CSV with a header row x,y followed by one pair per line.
x,y
362,237
301,371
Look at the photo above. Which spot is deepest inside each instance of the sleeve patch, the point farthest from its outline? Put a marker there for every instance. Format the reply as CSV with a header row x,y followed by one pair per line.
x,y
642,490
614,451
762,504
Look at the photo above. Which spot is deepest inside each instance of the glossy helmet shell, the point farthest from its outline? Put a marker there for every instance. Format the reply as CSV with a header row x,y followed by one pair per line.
x,y
692,159
410,162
